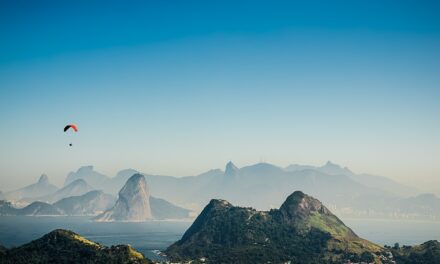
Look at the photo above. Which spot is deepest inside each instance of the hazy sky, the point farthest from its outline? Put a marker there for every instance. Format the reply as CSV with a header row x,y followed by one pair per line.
x,y
184,86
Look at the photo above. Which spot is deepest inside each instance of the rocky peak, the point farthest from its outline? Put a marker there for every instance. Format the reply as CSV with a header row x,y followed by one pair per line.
x,y
94,178
134,185
300,205
294,231
331,164
85,169
216,208
332,168
219,204
231,170
43,179
133,203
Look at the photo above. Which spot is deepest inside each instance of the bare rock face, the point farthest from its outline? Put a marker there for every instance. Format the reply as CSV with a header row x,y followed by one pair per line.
x,y
231,170
300,205
133,203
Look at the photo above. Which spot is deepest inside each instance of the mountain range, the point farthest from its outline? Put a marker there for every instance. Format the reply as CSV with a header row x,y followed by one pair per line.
x,y
90,203
41,188
264,185
302,230
369,180
99,180
134,203
33,209
75,188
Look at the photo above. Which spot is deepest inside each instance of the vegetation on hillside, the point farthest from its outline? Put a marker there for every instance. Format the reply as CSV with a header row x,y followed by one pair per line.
x,y
62,246
301,231
426,253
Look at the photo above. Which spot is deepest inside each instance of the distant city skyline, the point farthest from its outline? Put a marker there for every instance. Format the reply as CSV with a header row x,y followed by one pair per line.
x,y
184,87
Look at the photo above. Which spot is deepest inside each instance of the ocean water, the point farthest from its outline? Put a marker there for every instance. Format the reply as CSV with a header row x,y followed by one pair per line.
x,y
388,232
143,236
158,235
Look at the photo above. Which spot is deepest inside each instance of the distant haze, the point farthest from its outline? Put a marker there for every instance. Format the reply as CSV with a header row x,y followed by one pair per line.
x,y
184,87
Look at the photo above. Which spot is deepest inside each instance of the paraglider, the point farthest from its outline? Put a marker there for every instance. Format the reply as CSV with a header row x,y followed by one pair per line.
x,y
73,127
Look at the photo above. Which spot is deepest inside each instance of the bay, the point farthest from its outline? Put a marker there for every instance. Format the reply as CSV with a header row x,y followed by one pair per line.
x,y
158,235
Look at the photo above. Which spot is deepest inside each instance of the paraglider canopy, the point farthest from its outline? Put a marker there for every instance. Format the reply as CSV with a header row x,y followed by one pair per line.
x,y
71,126
74,127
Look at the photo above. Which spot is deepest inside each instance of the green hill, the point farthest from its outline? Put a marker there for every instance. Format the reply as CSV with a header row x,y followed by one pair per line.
x,y
426,253
62,246
301,231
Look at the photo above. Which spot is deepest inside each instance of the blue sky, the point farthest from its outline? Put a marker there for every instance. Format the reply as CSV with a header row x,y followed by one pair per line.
x,y
184,86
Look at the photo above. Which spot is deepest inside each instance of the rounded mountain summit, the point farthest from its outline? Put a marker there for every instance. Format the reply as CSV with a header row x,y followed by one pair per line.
x,y
133,203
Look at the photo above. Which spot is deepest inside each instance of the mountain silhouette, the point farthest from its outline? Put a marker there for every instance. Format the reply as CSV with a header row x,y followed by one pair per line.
x,y
302,230
133,203
63,246
40,188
